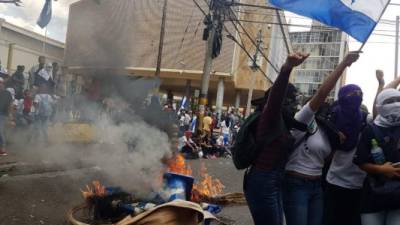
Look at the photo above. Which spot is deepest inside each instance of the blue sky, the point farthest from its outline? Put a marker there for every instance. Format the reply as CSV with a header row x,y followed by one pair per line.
x,y
378,52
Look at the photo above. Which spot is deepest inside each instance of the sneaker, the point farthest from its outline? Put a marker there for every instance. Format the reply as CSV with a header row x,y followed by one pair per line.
x,y
3,153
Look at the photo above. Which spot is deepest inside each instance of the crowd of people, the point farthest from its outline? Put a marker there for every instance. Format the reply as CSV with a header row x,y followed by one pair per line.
x,y
325,164
28,103
215,137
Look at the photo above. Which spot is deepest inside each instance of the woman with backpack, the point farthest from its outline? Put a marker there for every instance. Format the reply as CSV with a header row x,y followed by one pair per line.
x,y
303,194
378,154
263,181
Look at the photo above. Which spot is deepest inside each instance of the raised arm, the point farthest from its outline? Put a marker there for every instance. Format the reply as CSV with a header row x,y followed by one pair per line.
x,y
273,107
394,84
381,85
319,98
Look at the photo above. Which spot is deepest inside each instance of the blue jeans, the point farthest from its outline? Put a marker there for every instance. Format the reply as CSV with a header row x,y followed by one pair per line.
x,y
263,190
42,125
303,201
381,218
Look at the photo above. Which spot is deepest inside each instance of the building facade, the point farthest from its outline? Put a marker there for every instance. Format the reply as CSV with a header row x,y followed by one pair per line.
x,y
327,47
19,46
124,35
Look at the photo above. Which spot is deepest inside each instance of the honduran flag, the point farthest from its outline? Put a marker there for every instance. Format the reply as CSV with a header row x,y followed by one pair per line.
x,y
357,18
45,15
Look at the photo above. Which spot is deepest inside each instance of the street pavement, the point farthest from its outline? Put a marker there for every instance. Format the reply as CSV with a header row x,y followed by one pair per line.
x,y
36,191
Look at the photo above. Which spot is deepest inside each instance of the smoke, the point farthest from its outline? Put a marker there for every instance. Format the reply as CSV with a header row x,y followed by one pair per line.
x,y
130,139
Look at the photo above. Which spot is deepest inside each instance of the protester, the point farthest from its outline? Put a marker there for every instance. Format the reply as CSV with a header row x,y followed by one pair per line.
x,y
344,179
225,132
377,152
43,102
187,119
207,121
303,195
188,147
35,70
5,104
17,81
27,114
263,182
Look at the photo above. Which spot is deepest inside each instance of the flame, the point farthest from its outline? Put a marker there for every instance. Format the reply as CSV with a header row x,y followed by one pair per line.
x,y
97,190
178,165
209,186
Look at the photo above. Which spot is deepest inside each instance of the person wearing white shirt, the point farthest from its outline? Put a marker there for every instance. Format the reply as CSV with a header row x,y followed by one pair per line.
x,y
303,194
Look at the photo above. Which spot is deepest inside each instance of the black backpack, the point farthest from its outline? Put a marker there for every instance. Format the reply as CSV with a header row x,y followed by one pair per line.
x,y
245,149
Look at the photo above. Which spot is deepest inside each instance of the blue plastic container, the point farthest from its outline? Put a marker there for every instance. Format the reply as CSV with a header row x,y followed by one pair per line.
x,y
180,186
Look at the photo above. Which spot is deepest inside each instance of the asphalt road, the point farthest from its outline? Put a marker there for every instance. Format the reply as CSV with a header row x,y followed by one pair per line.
x,y
34,191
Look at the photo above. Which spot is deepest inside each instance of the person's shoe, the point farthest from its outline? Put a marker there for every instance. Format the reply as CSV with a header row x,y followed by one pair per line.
x,y
3,153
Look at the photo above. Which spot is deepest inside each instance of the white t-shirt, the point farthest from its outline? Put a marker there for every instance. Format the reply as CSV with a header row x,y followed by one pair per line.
x,y
344,173
309,157
187,119
224,128
182,142
43,99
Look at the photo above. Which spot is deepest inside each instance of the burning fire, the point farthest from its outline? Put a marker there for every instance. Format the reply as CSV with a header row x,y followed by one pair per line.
x,y
97,190
178,165
208,187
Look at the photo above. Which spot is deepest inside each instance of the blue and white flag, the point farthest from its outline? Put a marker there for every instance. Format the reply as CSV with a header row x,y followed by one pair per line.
x,y
357,18
184,102
45,15
193,124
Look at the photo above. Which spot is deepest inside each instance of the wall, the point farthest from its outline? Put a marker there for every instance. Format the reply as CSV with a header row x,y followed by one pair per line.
x,y
27,47
126,33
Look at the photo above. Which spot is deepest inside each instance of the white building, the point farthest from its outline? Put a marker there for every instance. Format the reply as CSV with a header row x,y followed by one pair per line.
x,y
19,46
327,47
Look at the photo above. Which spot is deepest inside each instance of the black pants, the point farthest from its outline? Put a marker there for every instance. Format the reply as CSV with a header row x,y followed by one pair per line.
x,y
342,206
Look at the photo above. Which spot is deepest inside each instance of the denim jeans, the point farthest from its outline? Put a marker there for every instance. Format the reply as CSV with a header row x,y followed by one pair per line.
x,y
42,125
303,201
381,218
263,190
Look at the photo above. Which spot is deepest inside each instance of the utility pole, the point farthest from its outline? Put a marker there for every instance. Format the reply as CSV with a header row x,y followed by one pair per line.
x,y
212,22
162,35
396,62
254,68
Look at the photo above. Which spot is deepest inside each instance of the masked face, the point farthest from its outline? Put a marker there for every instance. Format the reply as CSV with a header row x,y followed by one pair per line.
x,y
390,113
290,105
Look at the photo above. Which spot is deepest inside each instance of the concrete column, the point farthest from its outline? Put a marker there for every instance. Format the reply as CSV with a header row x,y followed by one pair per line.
x,y
220,97
188,88
10,57
237,99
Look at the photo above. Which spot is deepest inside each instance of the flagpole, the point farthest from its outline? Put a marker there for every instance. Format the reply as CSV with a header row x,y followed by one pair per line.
x,y
380,17
44,42
283,31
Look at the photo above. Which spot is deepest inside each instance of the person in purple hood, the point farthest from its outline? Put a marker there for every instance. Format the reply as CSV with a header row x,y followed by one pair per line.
x,y
303,197
344,178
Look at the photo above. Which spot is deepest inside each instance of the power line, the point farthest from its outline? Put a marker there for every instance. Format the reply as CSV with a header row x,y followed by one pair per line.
x,y
252,41
241,45
230,36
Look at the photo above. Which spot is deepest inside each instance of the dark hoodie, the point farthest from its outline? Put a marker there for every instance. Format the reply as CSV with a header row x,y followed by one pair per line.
x,y
272,125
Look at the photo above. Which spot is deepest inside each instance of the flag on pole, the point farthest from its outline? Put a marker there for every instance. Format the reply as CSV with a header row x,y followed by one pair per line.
x,y
193,124
184,102
358,18
45,15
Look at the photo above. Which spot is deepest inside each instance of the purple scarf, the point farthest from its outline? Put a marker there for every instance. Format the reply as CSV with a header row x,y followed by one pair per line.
x,y
348,116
